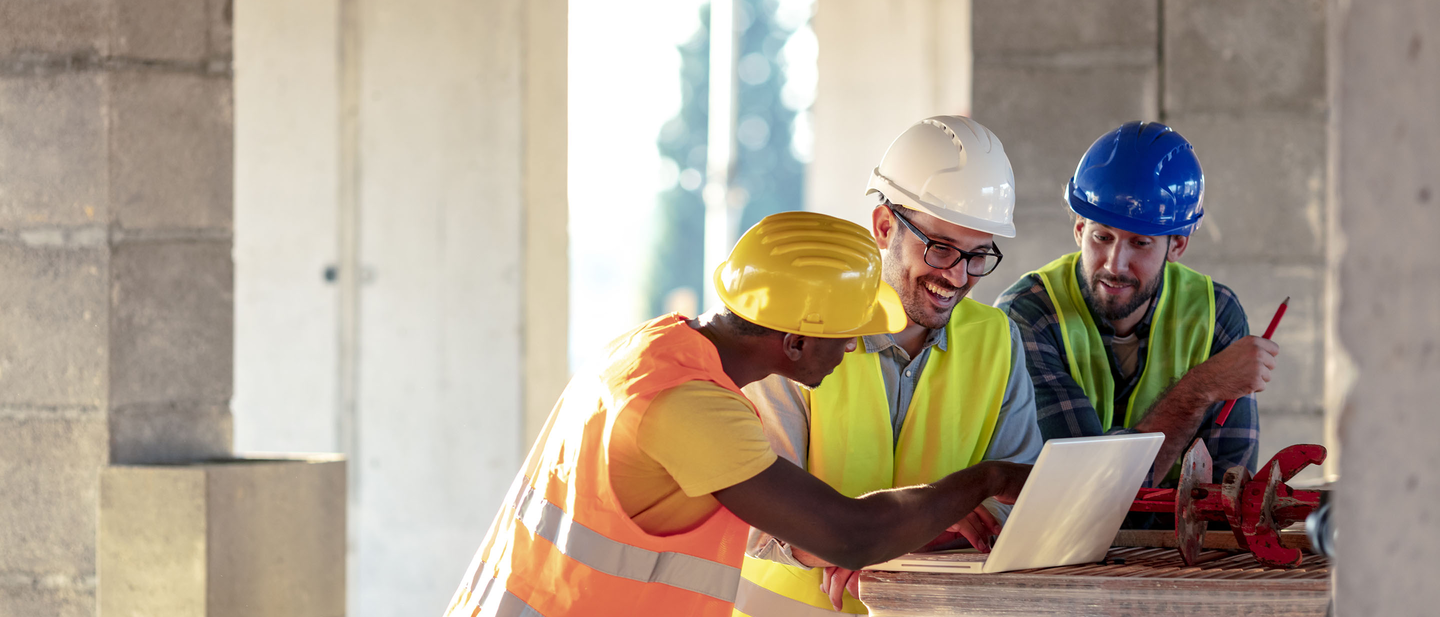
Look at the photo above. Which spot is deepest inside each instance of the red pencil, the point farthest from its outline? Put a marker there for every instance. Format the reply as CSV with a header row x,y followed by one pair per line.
x,y
1269,332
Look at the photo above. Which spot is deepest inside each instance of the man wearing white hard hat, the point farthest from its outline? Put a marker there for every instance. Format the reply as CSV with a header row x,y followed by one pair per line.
x,y
945,393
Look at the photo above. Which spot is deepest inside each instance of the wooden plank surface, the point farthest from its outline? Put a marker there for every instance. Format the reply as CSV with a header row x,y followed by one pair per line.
x,y
1132,582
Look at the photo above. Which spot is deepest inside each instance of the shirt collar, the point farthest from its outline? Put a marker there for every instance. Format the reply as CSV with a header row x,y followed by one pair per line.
x,y
876,343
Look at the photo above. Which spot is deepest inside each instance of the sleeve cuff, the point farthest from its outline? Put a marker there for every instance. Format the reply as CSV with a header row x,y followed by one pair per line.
x,y
772,549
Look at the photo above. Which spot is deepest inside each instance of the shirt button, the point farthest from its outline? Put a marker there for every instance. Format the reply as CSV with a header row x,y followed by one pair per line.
x,y
907,373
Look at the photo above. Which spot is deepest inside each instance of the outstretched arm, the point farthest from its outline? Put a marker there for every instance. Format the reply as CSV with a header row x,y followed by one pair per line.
x,y
799,508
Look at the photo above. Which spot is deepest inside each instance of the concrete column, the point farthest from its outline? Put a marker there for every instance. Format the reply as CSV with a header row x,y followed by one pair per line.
x,y
417,151
1387,167
115,269
882,66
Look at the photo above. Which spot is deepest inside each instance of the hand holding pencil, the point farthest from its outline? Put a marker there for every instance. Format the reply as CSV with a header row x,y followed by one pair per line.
x,y
1269,332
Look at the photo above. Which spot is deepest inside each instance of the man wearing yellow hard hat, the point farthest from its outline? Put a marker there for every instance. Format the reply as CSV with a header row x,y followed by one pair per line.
x,y
639,493
945,392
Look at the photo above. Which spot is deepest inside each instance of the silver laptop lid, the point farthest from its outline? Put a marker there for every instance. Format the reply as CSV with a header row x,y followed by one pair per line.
x,y
1074,501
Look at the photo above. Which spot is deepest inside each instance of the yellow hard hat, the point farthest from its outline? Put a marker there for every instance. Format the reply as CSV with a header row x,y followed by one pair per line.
x,y
811,274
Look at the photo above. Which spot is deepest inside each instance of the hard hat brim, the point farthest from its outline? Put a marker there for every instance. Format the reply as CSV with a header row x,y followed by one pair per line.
x,y
1004,230
900,197
889,314
1090,211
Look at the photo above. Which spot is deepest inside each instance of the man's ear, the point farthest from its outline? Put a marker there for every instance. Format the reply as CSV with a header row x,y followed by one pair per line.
x,y
793,345
1079,228
1177,247
882,225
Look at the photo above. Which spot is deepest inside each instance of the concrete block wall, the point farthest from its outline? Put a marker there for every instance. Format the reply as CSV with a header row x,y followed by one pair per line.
x,y
1245,83
115,273
1050,77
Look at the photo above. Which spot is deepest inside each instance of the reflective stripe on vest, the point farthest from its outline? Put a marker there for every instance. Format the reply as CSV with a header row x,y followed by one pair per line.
x,y
562,545
947,428
589,547
752,600
1181,331
494,600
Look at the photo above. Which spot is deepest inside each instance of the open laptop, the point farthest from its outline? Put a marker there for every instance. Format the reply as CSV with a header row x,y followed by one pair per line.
x,y
1072,505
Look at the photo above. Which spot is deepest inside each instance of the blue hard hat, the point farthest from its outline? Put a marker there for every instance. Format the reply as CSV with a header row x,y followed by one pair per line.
x,y
1143,178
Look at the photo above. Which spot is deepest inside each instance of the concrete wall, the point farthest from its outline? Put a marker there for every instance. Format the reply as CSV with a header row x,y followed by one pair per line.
x,y
418,149
115,268
1050,77
1245,83
882,67
1387,162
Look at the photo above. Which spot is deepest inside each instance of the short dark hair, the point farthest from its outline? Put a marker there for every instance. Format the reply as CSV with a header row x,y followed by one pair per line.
x,y
745,327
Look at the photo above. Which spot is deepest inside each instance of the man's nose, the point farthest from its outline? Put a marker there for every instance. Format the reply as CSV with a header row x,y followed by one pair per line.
x,y
1116,259
958,275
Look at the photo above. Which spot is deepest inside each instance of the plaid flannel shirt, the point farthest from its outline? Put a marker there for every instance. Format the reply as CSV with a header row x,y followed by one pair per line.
x,y
1063,410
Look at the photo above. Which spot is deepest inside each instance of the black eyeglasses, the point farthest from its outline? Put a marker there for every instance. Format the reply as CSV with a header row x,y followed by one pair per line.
x,y
944,256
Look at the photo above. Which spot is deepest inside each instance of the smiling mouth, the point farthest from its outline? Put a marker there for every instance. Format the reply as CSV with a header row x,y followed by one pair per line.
x,y
940,295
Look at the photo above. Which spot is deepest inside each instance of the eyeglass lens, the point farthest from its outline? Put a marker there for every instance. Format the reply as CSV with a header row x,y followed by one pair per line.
x,y
943,257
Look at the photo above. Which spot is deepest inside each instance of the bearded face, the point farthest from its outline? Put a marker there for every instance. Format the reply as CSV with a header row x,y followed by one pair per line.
x,y
1120,295
1120,272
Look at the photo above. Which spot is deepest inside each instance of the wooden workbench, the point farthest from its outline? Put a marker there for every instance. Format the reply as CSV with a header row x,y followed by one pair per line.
x,y
1151,581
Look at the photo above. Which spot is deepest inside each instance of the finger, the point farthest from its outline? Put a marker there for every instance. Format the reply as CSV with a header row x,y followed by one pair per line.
x,y
981,523
988,518
976,538
825,580
1268,345
854,586
837,589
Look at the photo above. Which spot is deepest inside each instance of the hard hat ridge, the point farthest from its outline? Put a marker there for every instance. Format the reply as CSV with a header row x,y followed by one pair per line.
x,y
953,168
809,273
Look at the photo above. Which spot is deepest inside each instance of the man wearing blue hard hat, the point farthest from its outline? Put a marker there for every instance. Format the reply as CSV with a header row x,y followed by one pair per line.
x,y
1119,336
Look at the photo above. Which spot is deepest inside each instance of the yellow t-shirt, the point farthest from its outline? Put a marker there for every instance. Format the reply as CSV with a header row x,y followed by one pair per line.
x,y
694,439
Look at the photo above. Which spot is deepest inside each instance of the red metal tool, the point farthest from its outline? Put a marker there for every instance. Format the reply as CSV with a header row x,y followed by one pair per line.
x,y
1269,332
1257,508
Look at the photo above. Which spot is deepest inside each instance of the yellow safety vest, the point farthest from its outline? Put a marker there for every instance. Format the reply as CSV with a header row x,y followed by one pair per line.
x,y
852,446
1180,334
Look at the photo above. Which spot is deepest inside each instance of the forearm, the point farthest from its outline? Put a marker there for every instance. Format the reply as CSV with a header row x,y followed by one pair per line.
x,y
1178,415
911,517
805,512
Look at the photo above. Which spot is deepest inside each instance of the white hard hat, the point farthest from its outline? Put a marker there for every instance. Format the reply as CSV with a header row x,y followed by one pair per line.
x,y
953,168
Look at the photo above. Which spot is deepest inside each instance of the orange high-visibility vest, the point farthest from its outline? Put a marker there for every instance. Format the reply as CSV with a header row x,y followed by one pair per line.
x,y
562,545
